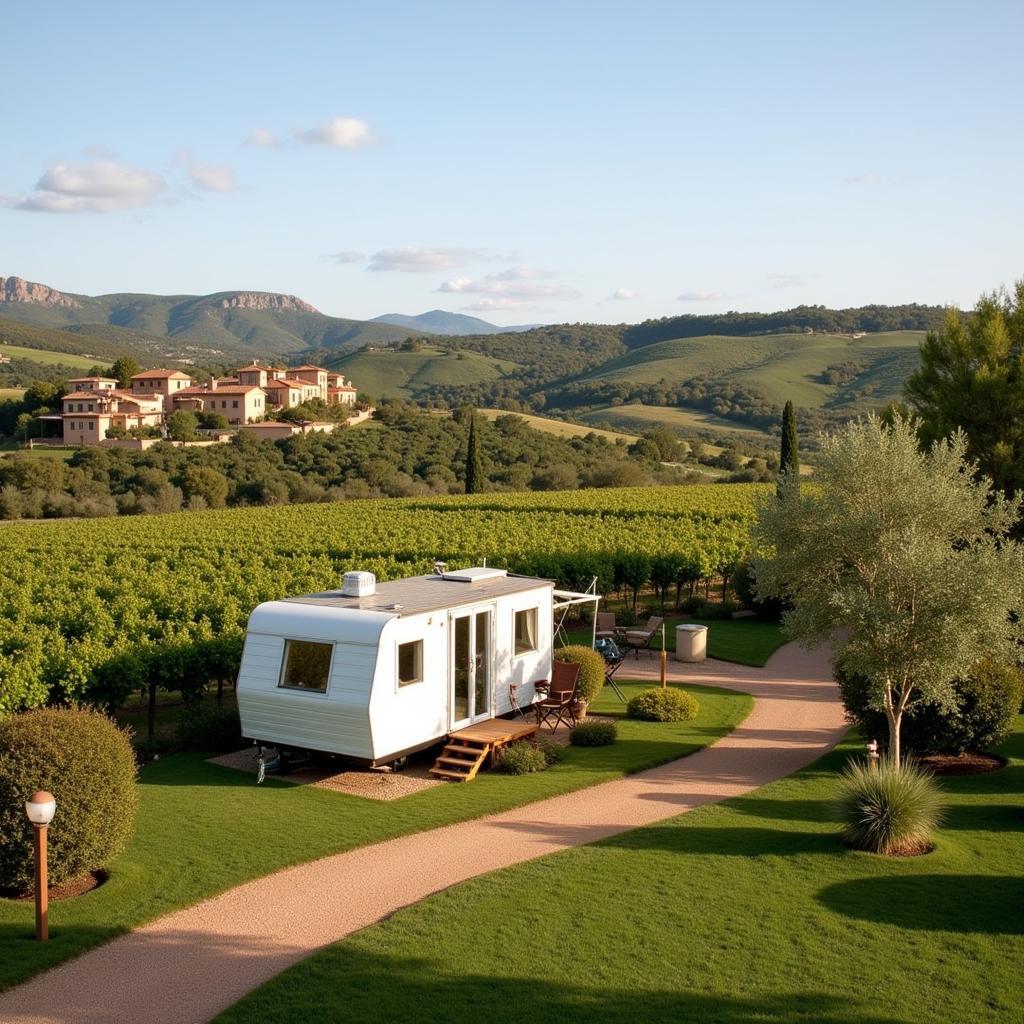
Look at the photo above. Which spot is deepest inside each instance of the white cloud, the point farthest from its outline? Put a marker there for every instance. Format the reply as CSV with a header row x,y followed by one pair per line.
x,y
340,133
99,186
867,178
343,257
701,297
623,293
423,259
212,177
786,280
263,138
510,288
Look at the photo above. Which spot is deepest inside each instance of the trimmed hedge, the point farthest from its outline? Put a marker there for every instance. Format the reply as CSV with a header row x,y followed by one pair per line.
x,y
591,665
982,716
87,763
668,704
593,733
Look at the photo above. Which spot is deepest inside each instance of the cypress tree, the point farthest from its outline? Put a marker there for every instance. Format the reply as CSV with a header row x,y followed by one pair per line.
x,y
789,455
474,471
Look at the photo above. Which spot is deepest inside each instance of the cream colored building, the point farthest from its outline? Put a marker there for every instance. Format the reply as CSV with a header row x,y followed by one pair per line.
x,y
86,416
238,403
160,382
92,384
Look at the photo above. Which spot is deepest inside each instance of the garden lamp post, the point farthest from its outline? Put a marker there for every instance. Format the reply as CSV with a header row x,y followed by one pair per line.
x,y
40,808
872,754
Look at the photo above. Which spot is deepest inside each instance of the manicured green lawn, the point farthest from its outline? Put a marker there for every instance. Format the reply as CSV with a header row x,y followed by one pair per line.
x,y
744,641
202,828
749,911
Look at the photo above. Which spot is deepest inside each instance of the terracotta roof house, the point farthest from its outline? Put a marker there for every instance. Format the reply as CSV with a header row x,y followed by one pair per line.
x,y
160,382
238,403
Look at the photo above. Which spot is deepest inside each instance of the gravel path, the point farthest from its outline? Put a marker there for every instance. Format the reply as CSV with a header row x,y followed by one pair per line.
x,y
188,966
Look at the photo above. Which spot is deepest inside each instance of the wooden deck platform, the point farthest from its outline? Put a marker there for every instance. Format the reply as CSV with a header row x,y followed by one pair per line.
x,y
497,731
467,749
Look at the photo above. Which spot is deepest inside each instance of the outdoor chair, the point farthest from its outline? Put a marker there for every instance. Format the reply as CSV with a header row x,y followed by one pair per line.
x,y
558,704
638,640
606,629
609,650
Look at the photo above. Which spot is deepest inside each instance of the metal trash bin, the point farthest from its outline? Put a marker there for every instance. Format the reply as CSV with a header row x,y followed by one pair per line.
x,y
691,642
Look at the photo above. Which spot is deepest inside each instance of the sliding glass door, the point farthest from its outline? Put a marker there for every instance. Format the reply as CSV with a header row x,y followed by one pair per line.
x,y
471,667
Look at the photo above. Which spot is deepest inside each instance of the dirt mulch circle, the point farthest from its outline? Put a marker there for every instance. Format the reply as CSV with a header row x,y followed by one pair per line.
x,y
66,890
963,764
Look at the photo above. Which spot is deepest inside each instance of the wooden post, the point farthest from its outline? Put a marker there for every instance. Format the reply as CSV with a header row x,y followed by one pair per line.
x,y
42,884
664,659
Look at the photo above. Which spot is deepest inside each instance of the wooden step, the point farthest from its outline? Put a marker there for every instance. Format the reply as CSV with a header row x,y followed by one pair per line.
x,y
461,748
445,774
459,761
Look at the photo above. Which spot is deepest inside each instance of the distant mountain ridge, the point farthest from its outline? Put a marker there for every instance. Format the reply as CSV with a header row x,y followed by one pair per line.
x,y
441,321
203,325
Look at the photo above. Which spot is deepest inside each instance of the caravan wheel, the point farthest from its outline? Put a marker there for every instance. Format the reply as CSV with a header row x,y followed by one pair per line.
x,y
399,763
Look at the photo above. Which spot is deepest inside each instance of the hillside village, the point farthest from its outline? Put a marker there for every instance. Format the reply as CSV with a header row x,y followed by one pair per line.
x,y
95,411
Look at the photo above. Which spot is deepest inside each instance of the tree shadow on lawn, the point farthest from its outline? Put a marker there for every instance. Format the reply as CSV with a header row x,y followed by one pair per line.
x,y
375,989
785,810
987,904
984,817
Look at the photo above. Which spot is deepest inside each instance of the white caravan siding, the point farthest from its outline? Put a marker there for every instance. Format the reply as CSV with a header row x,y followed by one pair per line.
x,y
527,668
402,717
337,721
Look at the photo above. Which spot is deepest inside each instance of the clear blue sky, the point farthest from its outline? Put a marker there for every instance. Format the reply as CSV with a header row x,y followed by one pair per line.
x,y
524,162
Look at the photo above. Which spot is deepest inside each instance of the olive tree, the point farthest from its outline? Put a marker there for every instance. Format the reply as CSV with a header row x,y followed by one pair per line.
x,y
901,559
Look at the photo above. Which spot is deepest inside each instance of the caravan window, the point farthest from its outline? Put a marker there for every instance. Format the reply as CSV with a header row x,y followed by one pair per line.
x,y
410,663
526,631
306,665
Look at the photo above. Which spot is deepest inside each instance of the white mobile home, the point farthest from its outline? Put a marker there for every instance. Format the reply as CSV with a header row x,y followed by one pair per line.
x,y
374,672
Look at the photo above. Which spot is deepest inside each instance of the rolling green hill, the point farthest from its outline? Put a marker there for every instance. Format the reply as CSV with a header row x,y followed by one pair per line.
x,y
780,366
387,373
637,418
201,325
562,429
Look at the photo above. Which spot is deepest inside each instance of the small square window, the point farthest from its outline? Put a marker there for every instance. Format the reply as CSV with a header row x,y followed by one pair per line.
x,y
234,404
526,631
306,665
410,663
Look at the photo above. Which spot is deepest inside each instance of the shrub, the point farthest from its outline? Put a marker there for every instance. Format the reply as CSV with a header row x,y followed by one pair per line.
x,y
522,758
592,733
552,751
889,809
984,708
668,704
209,726
591,665
86,761
743,585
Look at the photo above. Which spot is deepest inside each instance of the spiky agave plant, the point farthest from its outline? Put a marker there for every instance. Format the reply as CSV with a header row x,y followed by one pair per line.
x,y
889,809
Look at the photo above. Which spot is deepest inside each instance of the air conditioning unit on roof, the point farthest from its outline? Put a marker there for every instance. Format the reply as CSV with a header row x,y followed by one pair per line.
x,y
359,584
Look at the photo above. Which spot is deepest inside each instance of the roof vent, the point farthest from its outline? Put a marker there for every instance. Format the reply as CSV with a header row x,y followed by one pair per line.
x,y
475,575
359,584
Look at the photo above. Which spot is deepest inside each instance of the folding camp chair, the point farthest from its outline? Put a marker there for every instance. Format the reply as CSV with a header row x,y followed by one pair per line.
x,y
609,650
558,704
638,640
605,626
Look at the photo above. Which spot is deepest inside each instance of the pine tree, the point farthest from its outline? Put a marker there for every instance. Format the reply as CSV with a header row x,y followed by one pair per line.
x,y
474,471
789,456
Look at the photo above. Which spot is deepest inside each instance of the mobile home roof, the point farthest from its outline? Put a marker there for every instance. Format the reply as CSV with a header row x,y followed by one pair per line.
x,y
420,594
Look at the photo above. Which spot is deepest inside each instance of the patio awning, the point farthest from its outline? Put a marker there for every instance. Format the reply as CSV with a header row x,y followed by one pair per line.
x,y
566,599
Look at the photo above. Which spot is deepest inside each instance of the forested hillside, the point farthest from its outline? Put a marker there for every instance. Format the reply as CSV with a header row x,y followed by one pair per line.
x,y
405,452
